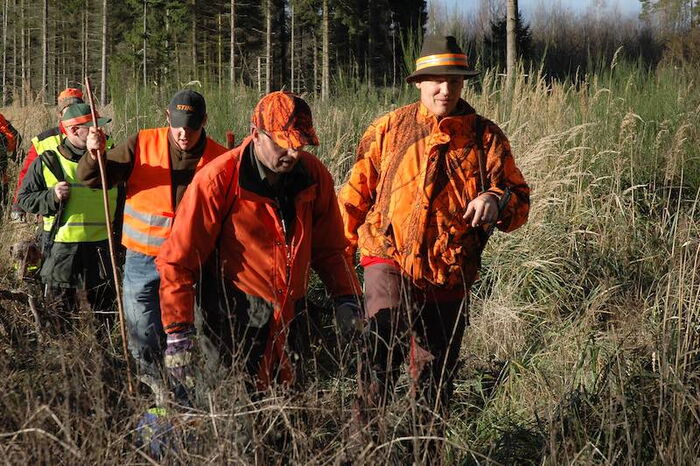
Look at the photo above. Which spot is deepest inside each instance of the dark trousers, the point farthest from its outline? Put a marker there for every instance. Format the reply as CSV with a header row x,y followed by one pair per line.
x,y
238,325
405,323
78,281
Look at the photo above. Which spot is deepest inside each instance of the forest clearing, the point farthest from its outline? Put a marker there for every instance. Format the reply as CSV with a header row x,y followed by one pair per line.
x,y
584,339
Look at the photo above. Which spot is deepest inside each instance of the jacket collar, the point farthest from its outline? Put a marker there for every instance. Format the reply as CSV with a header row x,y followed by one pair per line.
x,y
250,178
460,122
69,151
462,109
196,152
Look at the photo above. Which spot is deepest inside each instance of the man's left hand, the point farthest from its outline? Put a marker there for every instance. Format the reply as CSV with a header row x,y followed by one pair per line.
x,y
483,210
348,317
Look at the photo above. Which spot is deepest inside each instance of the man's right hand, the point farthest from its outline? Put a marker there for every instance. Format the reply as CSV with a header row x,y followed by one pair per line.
x,y
96,142
62,190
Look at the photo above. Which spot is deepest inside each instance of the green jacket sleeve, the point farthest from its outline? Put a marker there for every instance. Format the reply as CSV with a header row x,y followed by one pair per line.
x,y
33,196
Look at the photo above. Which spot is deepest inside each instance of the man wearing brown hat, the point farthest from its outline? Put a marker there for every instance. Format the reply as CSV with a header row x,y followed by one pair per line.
x,y
270,211
76,255
429,181
156,166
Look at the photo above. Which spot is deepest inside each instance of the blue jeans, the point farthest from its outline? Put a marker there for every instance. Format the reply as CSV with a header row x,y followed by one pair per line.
x,y
142,312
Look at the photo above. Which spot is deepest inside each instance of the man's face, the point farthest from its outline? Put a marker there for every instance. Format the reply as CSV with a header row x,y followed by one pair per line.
x,y
277,159
77,135
440,94
186,138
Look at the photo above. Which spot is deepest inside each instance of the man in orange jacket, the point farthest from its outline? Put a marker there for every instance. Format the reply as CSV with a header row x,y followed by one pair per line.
x,y
257,218
429,180
156,165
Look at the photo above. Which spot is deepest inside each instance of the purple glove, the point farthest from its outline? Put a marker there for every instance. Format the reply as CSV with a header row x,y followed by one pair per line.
x,y
178,360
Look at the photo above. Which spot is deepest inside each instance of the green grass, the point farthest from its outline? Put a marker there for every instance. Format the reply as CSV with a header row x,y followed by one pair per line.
x,y
585,328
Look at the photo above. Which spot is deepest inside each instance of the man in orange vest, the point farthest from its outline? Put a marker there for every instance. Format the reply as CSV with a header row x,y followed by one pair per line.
x,y
258,218
156,165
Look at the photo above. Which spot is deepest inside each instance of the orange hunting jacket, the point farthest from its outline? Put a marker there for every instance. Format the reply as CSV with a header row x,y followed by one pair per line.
x,y
410,186
255,255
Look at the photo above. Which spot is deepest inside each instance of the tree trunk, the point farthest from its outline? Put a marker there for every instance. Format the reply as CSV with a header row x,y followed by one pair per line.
x,y
14,52
44,49
52,76
325,65
5,12
291,48
103,65
369,58
61,72
232,57
511,40
145,42
23,61
393,50
315,51
268,46
168,55
194,40
83,42
219,51
29,64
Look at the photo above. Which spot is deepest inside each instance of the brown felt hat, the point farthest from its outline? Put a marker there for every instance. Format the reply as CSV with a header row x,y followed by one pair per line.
x,y
441,56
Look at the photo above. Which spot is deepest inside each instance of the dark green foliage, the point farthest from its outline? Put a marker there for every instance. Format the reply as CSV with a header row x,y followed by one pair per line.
x,y
494,52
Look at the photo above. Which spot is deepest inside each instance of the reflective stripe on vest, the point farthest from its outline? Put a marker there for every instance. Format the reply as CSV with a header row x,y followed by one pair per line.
x,y
83,218
149,213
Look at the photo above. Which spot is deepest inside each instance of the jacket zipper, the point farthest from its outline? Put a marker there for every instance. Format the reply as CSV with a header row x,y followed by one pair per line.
x,y
287,250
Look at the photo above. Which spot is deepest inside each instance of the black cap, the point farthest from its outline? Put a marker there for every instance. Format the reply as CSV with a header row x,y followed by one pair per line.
x,y
187,109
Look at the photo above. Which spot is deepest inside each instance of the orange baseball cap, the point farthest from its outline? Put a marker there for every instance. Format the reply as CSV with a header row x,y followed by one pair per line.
x,y
69,96
286,117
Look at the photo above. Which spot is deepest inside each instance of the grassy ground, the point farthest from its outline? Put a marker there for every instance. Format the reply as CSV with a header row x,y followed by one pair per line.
x,y
583,345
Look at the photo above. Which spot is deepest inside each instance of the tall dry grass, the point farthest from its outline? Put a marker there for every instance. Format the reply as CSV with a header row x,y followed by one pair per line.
x,y
583,345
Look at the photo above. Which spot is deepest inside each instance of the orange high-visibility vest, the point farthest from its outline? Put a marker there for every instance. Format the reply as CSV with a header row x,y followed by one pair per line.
x,y
149,210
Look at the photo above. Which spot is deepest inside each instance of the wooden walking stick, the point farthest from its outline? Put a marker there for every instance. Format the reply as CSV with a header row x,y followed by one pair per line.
x,y
110,238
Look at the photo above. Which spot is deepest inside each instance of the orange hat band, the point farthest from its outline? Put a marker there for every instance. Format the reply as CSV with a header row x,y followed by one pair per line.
x,y
443,59
77,120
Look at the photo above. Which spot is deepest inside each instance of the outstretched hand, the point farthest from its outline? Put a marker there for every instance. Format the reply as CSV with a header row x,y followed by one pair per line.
x,y
482,210
96,142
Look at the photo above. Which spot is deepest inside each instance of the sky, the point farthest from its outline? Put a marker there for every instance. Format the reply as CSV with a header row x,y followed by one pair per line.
x,y
527,7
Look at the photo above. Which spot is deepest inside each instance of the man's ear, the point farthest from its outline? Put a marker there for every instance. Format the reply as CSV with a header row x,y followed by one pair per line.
x,y
204,121
254,132
167,116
